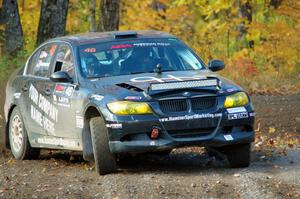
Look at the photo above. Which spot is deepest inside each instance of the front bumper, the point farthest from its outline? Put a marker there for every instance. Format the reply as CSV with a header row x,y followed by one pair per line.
x,y
165,144
132,133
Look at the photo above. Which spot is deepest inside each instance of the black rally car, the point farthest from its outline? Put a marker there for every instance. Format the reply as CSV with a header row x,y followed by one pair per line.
x,y
124,92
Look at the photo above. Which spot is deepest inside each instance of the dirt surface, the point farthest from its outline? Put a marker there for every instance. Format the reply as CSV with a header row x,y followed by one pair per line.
x,y
185,173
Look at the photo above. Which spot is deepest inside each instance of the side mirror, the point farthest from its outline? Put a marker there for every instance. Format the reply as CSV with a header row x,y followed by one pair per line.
x,y
60,76
216,65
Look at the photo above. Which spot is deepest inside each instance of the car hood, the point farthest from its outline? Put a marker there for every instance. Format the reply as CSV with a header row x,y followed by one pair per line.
x,y
141,83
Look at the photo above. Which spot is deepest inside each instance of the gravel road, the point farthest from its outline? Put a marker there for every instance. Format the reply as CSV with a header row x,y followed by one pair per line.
x,y
185,173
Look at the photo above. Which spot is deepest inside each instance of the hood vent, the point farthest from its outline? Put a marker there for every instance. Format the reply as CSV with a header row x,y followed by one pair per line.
x,y
130,87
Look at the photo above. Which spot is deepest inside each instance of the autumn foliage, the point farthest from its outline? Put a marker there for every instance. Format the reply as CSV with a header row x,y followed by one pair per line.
x,y
257,39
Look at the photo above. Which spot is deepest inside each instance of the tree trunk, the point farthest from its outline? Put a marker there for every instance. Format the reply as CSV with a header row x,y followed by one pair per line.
x,y
13,34
245,11
53,19
92,16
275,3
109,15
1,17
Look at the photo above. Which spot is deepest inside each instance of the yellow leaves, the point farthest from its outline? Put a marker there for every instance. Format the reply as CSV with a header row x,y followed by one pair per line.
x,y
11,162
291,143
272,130
253,34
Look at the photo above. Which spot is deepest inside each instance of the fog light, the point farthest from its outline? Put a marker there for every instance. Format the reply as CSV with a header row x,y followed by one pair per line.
x,y
154,133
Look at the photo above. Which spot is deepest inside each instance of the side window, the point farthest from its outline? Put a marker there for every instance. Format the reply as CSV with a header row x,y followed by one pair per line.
x,y
64,60
39,63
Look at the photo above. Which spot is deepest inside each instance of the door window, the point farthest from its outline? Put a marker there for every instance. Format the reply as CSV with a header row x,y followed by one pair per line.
x,y
64,60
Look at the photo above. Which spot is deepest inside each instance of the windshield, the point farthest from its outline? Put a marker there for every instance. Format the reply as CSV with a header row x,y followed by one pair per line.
x,y
136,56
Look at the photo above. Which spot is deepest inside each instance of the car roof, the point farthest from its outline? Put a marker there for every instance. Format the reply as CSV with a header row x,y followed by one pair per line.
x,y
95,37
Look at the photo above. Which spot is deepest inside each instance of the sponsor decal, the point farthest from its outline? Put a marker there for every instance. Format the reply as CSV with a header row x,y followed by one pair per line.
x,y
121,46
252,114
79,121
57,142
235,116
59,88
90,50
133,98
228,137
114,126
17,95
97,97
63,101
151,44
54,98
236,110
42,105
69,91
191,117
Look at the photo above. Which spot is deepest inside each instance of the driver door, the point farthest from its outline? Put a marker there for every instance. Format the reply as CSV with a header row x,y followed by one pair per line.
x,y
64,96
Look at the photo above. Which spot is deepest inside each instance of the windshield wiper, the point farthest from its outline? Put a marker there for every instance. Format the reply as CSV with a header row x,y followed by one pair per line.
x,y
166,70
98,77
132,73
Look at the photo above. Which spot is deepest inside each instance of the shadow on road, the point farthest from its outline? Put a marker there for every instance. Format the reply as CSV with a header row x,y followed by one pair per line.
x,y
179,160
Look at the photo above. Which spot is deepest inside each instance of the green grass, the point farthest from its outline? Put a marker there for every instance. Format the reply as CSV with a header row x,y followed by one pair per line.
x,y
9,63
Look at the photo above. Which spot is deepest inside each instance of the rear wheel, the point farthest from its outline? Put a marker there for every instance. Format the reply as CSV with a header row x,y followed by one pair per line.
x,y
105,161
18,138
238,155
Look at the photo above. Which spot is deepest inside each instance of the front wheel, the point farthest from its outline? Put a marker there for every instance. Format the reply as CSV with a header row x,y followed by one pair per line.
x,y
105,161
238,155
18,138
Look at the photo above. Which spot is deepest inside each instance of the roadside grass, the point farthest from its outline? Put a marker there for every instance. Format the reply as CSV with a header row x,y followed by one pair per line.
x,y
268,83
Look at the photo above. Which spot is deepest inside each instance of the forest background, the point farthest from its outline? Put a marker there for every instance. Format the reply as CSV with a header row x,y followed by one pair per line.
x,y
257,39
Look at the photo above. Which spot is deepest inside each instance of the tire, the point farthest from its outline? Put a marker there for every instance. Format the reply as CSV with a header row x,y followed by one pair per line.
x,y
105,161
213,152
18,138
238,155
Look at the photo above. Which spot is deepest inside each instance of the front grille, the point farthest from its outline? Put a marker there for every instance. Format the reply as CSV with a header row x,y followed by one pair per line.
x,y
181,105
176,105
204,103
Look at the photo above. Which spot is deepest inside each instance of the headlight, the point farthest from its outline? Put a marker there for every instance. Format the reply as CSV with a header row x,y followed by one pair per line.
x,y
129,108
237,99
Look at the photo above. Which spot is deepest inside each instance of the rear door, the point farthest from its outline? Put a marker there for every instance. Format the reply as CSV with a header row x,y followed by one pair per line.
x,y
40,114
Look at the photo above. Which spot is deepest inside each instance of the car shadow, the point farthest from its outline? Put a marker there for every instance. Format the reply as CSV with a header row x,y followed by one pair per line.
x,y
179,160
176,161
